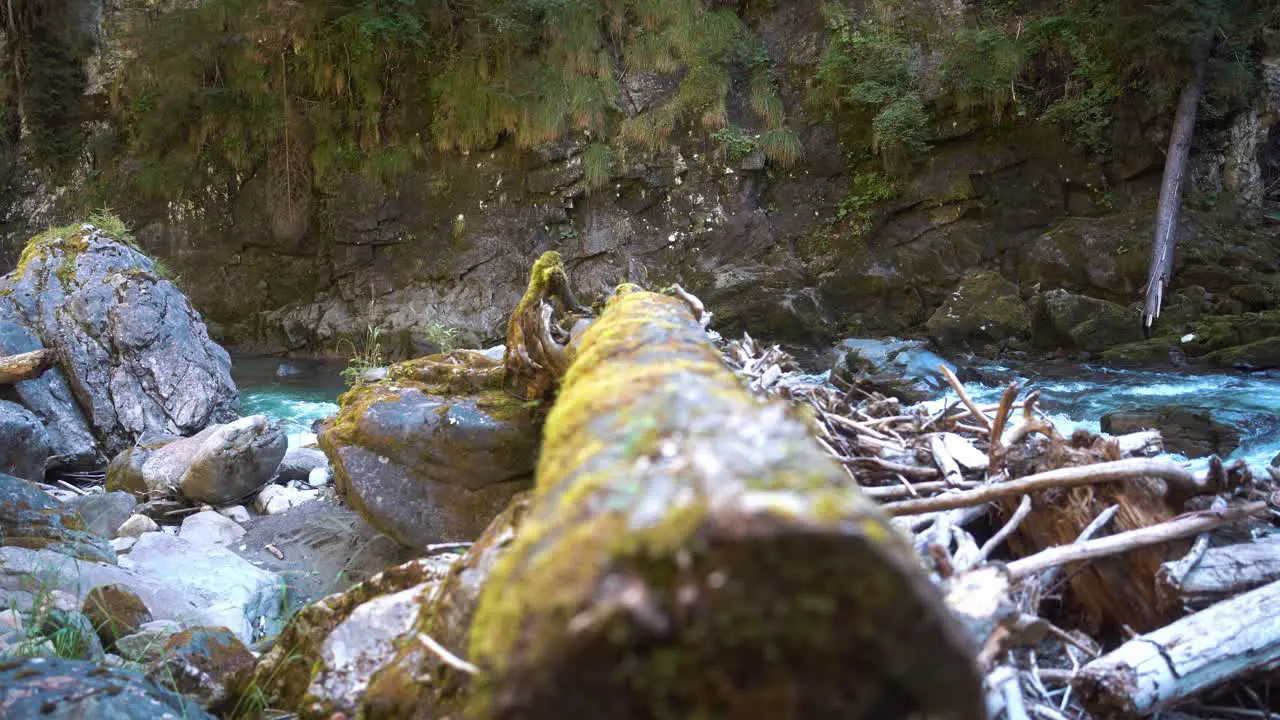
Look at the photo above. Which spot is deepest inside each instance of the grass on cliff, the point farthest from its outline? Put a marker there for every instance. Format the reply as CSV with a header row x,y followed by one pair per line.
x,y
324,87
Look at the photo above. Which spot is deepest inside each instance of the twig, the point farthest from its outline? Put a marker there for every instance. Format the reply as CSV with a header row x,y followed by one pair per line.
x,y
914,471
446,547
1024,509
1186,525
1094,527
994,453
964,397
946,464
889,492
1173,474
447,657
72,488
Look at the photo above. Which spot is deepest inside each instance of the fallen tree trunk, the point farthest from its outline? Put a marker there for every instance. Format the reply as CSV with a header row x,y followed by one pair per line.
x,y
28,365
1164,667
692,551
1221,572
1170,204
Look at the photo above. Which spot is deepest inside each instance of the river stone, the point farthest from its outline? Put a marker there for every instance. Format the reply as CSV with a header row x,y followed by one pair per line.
x,y
29,518
147,644
358,647
425,467
136,525
299,463
210,664
984,309
115,612
104,513
1076,322
24,444
1188,431
233,460
191,584
62,689
1258,355
49,398
135,352
275,499
210,528
283,680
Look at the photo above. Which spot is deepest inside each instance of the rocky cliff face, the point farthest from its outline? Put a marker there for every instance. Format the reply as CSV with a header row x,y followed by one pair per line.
x,y
798,255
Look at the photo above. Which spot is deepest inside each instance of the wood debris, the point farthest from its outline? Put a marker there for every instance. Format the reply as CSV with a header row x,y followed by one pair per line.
x,y
1096,579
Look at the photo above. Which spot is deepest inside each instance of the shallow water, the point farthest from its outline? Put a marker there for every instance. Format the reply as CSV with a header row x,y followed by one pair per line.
x,y
297,399
1074,396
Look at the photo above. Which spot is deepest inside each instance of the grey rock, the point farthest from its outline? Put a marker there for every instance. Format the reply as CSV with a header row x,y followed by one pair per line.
x,y
275,499
320,477
210,528
298,463
123,544
233,460
1078,322
61,689
136,353
49,398
147,644
898,368
24,443
1190,431
31,519
360,645
104,513
237,513
191,584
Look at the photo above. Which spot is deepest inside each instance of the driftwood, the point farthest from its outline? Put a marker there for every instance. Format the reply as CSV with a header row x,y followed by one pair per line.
x,y
1220,573
1161,668
691,552
537,351
28,365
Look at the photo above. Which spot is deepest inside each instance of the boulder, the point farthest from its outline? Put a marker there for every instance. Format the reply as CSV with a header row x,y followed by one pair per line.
x,y
104,513
1188,431
29,518
898,368
62,689
218,465
234,460
136,354
425,463
210,528
985,309
1259,355
115,611
1077,322
358,647
48,397
210,664
176,580
284,681
300,462
24,443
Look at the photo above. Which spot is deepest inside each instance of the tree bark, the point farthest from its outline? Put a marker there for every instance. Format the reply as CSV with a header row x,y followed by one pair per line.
x,y
1164,667
692,551
28,365
1170,204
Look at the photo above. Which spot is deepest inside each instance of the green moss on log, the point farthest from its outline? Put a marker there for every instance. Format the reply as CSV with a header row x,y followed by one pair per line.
x,y
692,552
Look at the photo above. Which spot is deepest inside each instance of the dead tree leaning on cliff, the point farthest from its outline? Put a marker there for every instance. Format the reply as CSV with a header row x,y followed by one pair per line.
x,y
1175,170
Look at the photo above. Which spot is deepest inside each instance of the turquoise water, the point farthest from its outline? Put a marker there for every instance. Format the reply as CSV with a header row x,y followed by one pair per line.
x,y
1073,396
297,399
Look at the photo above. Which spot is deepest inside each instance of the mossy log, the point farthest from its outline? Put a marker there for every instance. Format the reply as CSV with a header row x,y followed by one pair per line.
x,y
692,552
28,365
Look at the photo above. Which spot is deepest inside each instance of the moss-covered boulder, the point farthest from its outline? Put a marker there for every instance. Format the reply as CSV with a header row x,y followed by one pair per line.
x,y
210,664
284,672
1259,355
115,611
396,689
29,518
62,689
1156,351
692,551
1071,321
135,354
423,461
985,309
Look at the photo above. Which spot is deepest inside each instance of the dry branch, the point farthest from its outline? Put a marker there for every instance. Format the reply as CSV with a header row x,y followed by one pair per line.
x,y
1220,573
28,365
